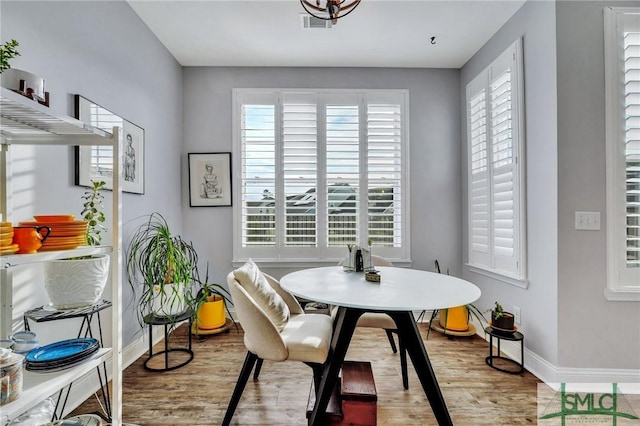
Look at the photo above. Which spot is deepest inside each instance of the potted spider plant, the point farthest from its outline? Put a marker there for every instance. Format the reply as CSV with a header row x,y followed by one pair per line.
x,y
80,281
211,304
162,266
457,319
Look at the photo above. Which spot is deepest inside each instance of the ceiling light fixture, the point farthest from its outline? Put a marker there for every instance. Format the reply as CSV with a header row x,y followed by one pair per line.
x,y
332,10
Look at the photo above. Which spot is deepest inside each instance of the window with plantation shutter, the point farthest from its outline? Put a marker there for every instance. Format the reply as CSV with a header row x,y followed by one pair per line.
x,y
318,170
495,167
622,74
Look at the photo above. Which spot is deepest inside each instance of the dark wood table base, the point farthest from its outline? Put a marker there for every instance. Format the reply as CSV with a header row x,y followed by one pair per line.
x,y
408,334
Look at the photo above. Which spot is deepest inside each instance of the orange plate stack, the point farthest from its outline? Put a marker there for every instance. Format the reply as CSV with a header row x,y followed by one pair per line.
x,y
6,235
66,233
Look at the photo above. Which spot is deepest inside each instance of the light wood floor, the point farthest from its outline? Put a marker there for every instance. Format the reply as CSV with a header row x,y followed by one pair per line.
x,y
198,393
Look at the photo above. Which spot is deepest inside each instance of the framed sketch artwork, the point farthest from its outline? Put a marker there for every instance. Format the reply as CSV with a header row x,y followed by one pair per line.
x,y
96,163
210,179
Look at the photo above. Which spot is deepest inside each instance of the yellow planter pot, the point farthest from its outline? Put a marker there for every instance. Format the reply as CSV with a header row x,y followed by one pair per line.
x,y
211,314
455,319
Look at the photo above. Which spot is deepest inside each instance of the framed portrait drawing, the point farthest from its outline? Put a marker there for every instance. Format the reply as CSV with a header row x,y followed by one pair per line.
x,y
96,162
210,179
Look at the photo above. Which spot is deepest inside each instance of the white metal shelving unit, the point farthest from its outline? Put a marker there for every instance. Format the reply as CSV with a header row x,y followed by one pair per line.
x,y
25,122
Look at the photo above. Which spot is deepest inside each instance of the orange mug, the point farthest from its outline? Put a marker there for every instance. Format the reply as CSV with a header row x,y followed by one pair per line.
x,y
29,238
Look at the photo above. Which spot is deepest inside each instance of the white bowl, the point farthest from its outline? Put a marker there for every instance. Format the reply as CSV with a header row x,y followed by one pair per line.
x,y
24,341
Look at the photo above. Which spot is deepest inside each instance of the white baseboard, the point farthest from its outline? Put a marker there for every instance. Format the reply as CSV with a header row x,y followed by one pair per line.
x,y
550,373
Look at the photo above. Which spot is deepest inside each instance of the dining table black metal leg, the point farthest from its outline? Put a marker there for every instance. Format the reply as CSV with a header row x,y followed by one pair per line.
x,y
409,334
344,326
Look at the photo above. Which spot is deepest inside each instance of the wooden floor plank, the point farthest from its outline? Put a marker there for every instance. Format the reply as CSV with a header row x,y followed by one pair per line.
x,y
198,393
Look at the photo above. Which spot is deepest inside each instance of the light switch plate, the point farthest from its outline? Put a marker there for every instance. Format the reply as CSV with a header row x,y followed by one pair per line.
x,y
588,221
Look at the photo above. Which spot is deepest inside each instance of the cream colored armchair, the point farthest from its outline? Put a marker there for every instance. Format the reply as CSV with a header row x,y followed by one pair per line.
x,y
275,328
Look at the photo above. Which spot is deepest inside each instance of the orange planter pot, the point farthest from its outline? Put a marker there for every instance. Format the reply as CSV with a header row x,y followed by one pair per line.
x,y
455,319
211,314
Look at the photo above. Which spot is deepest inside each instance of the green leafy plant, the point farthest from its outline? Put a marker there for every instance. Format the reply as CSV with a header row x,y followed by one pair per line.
x,y
93,212
498,311
8,51
155,258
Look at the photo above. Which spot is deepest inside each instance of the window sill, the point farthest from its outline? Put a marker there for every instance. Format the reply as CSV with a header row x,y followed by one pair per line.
x,y
307,263
630,295
518,282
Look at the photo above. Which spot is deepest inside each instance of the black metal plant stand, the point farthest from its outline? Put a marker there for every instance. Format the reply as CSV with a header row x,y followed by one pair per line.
x,y
501,335
169,323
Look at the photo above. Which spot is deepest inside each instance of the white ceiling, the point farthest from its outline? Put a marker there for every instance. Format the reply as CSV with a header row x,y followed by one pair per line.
x,y
379,33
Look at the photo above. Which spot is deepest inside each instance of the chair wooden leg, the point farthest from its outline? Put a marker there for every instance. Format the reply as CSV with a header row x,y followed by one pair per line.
x,y
403,363
256,371
391,341
249,362
317,373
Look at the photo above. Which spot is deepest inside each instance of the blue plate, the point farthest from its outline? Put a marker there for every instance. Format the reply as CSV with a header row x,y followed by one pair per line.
x,y
62,350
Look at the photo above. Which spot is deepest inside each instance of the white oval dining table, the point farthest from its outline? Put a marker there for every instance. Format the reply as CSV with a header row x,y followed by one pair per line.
x,y
399,292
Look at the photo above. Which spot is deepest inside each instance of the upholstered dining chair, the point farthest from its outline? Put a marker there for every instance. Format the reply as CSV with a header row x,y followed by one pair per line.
x,y
383,321
275,327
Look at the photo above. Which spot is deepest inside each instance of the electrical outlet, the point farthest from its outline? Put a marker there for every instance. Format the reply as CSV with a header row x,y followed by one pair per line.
x,y
516,315
587,221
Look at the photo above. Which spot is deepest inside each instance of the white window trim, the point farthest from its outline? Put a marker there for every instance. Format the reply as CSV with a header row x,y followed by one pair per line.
x,y
518,282
519,279
619,286
404,257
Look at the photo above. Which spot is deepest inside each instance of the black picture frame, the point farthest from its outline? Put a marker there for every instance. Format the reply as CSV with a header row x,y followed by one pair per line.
x,y
210,179
88,163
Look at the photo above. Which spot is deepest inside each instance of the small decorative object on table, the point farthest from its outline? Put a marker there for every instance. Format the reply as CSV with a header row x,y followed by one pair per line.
x,y
357,258
373,276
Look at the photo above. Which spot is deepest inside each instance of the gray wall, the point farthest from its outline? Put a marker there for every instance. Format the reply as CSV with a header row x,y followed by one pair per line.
x,y
435,150
593,332
565,317
535,23
102,51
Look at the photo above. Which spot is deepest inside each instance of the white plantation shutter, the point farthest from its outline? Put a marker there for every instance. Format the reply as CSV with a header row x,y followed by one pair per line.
x,y
342,171
622,69
300,168
479,213
384,171
306,161
258,171
632,144
494,167
504,174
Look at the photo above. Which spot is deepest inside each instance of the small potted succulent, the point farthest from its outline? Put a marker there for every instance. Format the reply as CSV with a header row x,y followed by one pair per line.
x,y
501,319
